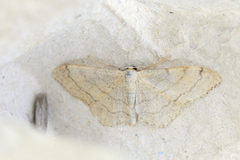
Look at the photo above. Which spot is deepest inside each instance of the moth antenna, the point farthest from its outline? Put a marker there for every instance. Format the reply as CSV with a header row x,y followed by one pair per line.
x,y
102,63
156,63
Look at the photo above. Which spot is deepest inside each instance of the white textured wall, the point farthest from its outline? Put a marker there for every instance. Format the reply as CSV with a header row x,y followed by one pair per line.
x,y
123,33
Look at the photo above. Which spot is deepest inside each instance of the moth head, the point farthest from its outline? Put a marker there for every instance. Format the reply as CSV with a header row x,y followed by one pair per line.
x,y
129,68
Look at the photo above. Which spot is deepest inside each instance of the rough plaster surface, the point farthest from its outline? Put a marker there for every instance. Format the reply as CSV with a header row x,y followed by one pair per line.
x,y
138,33
24,143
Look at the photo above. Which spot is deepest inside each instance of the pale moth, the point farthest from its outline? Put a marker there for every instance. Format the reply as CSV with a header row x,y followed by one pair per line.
x,y
131,96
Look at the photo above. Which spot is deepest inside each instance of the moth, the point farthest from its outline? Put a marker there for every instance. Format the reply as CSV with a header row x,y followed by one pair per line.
x,y
131,96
